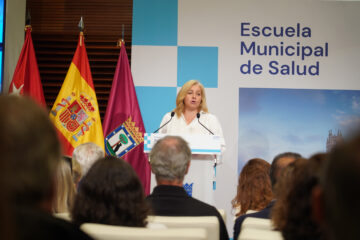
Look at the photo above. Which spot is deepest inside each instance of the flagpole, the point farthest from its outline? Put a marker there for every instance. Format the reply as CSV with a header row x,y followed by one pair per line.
x,y
123,115
28,21
121,40
26,78
81,29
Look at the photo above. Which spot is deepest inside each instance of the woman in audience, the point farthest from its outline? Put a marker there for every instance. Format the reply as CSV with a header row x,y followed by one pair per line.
x,y
254,187
111,193
65,189
76,172
292,212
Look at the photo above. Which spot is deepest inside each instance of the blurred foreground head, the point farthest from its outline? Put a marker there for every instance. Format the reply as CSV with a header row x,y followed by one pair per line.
x,y
336,201
292,212
29,144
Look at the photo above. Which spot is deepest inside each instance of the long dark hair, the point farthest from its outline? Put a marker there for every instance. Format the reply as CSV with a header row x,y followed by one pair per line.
x,y
111,193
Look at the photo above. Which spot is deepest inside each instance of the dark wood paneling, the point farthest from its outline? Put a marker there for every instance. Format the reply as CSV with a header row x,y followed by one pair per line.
x,y
55,34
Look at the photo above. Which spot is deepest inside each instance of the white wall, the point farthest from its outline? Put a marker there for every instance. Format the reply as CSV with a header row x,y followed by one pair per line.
x,y
14,38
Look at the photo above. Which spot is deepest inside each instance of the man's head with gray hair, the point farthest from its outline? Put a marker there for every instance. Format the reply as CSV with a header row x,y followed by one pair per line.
x,y
170,160
86,155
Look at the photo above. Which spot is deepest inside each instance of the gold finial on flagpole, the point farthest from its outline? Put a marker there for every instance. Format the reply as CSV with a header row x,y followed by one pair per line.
x,y
81,29
119,43
28,27
28,21
121,40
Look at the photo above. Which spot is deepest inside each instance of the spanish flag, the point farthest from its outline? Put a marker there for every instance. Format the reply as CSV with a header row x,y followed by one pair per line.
x,y
76,112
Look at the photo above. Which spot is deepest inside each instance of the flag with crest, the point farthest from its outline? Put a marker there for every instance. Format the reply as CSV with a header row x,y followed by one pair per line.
x,y
76,112
123,125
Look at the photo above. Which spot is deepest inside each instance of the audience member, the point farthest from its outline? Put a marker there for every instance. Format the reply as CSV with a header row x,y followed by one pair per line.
x,y
29,143
86,155
254,187
170,162
292,212
335,201
76,172
65,189
278,164
111,193
6,217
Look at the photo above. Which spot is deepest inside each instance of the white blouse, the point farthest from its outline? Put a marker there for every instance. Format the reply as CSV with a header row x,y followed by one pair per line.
x,y
178,125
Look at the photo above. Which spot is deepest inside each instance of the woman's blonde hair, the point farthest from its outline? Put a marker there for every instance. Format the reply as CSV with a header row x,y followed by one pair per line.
x,y
65,189
76,171
180,106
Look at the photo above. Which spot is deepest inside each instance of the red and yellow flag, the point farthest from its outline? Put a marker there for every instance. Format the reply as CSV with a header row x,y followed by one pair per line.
x,y
76,112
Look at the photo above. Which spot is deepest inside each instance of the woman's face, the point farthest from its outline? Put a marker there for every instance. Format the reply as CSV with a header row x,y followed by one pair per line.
x,y
193,98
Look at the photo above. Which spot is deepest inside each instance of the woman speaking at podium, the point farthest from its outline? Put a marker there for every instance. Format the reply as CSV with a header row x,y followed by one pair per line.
x,y
191,117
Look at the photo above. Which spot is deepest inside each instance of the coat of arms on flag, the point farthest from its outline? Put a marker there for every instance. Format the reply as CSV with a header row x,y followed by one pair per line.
x,y
74,114
123,139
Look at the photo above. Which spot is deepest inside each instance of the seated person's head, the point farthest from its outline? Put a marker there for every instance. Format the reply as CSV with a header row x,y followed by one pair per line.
x,y
335,201
292,212
279,162
111,193
64,188
29,143
170,159
76,172
254,187
86,154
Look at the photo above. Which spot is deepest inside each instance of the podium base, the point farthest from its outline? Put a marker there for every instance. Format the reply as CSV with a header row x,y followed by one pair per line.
x,y
201,175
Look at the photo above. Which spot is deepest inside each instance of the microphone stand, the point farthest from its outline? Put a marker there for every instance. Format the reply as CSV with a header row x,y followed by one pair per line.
x,y
215,159
172,115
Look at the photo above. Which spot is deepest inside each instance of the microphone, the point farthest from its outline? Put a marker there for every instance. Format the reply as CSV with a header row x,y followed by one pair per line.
x,y
198,117
172,115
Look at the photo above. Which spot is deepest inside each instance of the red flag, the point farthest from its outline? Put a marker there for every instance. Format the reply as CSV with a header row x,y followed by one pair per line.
x,y
123,125
75,113
26,79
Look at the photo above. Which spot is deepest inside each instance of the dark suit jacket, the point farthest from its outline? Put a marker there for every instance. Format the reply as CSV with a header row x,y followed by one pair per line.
x,y
265,213
32,223
173,201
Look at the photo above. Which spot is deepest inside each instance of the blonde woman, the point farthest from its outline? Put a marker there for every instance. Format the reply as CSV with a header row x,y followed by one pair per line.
x,y
190,101
65,189
191,111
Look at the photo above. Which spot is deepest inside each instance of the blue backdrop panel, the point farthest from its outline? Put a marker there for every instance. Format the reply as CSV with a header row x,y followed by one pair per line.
x,y
154,103
199,63
155,22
